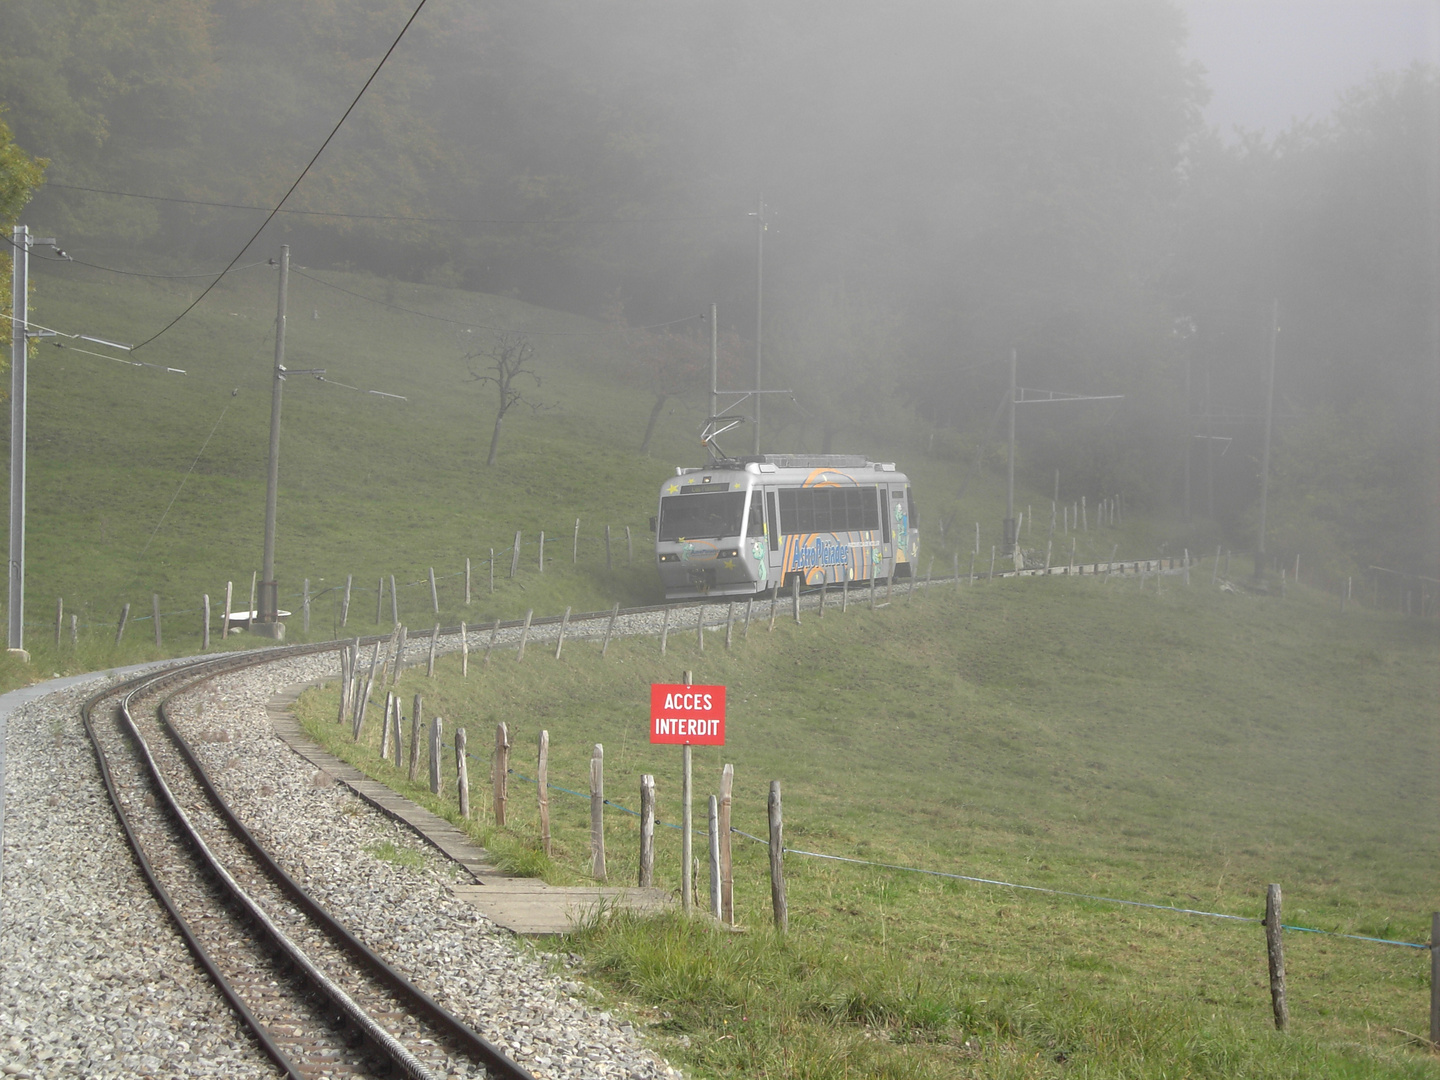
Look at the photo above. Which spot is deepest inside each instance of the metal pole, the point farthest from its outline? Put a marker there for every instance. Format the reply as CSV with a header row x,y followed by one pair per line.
x,y
18,342
759,306
1010,537
269,600
714,360
1269,417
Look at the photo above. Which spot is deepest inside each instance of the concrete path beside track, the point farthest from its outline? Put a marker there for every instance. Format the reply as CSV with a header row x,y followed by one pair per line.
x,y
522,905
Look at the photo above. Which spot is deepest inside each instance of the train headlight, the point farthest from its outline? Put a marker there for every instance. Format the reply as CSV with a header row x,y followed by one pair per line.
x,y
729,553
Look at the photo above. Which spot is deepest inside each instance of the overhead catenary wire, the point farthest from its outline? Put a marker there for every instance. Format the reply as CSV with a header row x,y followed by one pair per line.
x,y
415,219
303,172
486,326
215,427
49,331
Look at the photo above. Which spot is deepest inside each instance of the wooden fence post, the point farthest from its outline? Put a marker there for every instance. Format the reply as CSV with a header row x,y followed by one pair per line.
x,y
542,784
542,551
380,600
575,545
609,628
250,612
777,860
824,592
205,630
500,772
664,630
399,638
124,618
74,629
749,607
225,621
795,598
416,714
430,663
647,831
525,634
727,866
345,603
434,592
713,817
629,548
347,678
437,747
700,626
597,813
560,641
155,614
609,565
774,600
729,625
494,631
515,555
399,738
462,774
464,653
365,694
305,607
1276,952
467,580
492,571
394,601
385,725
1435,977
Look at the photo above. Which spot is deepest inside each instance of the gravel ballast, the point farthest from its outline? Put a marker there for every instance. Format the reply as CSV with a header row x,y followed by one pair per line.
x,y
94,981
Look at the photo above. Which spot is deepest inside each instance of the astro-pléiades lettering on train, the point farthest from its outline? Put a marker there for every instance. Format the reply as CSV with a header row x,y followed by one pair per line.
x,y
742,526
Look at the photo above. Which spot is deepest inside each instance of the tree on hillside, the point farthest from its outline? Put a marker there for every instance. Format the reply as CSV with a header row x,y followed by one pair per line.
x,y
670,365
1336,221
20,175
506,365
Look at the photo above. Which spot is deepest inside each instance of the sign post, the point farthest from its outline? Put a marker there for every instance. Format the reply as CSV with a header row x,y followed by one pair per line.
x,y
688,715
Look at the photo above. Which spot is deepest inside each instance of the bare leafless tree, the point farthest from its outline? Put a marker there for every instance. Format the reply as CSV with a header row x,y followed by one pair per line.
x,y
505,364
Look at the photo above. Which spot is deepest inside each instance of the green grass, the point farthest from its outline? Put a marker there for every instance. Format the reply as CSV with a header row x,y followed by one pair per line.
x,y
1179,746
142,482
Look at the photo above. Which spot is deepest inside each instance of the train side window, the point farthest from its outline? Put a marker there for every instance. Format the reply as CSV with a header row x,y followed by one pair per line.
x,y
755,524
774,521
885,514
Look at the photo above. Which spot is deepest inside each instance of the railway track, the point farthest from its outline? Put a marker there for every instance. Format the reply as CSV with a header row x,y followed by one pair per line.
x,y
317,1000
319,1003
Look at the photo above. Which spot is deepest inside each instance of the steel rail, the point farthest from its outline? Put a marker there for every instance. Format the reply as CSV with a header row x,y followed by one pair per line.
x,y
196,673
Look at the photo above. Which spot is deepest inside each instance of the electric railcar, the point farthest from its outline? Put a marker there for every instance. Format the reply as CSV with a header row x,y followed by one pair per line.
x,y
739,526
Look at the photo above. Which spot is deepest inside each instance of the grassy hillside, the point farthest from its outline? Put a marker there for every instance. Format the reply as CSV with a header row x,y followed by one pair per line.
x,y
1168,745
146,482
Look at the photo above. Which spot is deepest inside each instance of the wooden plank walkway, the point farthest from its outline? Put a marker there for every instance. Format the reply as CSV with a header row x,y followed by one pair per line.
x,y
521,905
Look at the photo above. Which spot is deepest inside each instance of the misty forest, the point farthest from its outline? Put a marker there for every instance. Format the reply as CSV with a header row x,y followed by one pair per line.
x,y
938,184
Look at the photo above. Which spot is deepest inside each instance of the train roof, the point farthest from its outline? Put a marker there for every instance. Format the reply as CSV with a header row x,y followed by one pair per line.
x,y
758,463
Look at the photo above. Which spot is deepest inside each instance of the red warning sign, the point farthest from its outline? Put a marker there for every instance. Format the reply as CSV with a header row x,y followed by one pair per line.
x,y
687,714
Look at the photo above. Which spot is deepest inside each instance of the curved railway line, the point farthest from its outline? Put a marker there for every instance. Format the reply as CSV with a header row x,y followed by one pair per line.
x,y
315,998
318,1001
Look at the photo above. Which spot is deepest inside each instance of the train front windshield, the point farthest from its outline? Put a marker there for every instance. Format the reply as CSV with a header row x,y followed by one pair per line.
x,y
701,515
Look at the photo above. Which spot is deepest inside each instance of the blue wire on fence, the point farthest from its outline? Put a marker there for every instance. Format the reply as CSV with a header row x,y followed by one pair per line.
x,y
1005,884
1081,896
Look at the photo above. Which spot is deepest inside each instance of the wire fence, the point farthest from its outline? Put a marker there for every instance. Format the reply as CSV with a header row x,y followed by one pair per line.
x,y
1019,887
